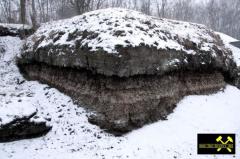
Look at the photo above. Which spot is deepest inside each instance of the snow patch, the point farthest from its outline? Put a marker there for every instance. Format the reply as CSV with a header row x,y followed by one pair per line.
x,y
15,110
235,51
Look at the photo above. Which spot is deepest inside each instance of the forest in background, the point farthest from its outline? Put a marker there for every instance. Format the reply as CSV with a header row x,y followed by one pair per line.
x,y
219,15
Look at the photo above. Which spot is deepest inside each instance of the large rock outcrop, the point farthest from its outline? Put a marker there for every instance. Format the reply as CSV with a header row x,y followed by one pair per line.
x,y
129,69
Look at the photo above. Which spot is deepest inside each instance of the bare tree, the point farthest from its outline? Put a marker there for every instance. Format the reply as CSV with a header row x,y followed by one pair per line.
x,y
34,15
117,3
99,4
164,3
213,14
23,11
7,12
81,6
135,5
182,10
146,6
161,11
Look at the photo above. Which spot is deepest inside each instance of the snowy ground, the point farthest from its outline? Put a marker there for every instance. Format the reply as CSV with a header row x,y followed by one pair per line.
x,y
236,51
73,137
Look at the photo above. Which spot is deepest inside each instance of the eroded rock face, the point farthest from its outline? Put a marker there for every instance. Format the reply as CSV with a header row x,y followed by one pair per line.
x,y
127,68
23,128
123,104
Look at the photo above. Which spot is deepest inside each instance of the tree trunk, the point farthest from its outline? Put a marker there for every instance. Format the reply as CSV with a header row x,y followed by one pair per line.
x,y
164,2
23,11
34,15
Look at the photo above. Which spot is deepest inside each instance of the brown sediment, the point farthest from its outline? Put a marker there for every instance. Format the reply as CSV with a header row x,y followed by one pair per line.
x,y
123,104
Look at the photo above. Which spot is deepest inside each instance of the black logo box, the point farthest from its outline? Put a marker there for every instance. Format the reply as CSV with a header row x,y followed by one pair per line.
x,y
211,139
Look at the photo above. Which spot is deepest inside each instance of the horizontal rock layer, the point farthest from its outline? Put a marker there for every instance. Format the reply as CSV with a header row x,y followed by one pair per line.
x,y
123,104
134,61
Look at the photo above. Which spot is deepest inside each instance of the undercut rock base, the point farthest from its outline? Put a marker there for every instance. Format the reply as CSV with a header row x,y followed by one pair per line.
x,y
120,105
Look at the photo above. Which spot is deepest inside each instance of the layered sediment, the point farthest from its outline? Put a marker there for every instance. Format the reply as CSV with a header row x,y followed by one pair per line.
x,y
122,104
127,68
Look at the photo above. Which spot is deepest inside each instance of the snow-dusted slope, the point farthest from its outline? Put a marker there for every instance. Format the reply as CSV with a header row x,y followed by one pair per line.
x,y
106,29
236,51
73,137
14,101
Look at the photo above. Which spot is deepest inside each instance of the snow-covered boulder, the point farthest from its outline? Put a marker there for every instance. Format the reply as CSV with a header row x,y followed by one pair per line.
x,y
125,43
21,122
128,68
19,30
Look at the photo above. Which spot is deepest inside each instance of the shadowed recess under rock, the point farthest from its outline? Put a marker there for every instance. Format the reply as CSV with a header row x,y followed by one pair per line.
x,y
123,104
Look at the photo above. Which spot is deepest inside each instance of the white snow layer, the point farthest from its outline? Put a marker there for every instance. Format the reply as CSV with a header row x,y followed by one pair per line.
x,y
236,51
72,136
113,27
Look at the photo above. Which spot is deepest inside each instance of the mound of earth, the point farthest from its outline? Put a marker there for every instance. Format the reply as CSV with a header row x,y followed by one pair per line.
x,y
128,68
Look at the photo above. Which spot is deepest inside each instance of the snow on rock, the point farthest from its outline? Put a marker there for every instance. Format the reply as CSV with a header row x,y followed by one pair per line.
x,y
235,51
15,110
19,30
114,27
125,43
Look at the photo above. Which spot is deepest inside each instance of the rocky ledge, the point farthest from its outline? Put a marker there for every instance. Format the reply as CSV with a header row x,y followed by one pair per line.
x,y
21,121
18,30
127,68
23,128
